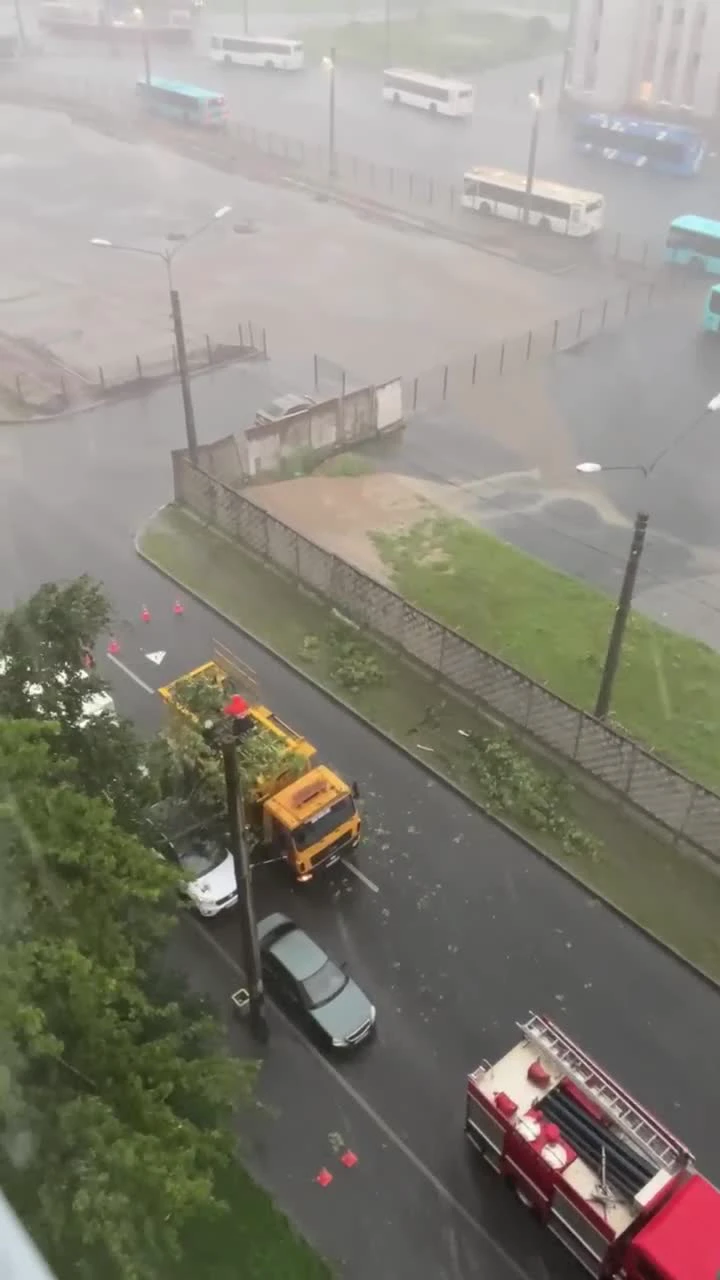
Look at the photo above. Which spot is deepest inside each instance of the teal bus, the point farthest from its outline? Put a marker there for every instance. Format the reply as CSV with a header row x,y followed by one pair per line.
x,y
711,319
695,243
185,102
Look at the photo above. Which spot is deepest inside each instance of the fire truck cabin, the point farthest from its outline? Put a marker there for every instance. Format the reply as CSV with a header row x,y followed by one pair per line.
x,y
603,1174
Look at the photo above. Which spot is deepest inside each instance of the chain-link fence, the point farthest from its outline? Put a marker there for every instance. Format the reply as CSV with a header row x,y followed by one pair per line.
x,y
691,812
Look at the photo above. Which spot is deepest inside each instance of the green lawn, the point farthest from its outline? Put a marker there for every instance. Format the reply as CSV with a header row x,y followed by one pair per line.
x,y
556,629
451,41
254,1241
677,898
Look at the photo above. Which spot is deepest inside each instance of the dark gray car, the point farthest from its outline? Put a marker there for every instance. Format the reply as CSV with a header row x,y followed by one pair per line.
x,y
311,986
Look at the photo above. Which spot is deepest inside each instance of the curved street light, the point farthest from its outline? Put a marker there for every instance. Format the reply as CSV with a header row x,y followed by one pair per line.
x,y
167,256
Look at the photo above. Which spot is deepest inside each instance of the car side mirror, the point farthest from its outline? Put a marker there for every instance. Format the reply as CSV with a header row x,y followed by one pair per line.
x,y
355,790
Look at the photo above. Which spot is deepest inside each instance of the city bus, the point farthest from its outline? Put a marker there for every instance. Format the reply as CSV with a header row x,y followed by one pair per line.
x,y
664,148
694,243
711,319
258,51
430,93
565,210
186,102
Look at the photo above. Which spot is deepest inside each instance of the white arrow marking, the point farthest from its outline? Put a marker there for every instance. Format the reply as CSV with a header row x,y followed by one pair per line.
x,y
156,657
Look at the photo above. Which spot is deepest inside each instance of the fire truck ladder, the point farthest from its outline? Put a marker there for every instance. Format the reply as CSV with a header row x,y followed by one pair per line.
x,y
646,1134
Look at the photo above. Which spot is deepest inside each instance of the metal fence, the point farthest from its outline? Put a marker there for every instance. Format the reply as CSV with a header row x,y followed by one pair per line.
x,y
421,197
60,388
455,380
690,811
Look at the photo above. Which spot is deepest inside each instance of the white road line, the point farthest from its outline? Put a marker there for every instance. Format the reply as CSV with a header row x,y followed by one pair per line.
x,y
350,866
442,1191
147,687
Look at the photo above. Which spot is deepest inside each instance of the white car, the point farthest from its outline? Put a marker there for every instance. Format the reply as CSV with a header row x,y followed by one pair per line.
x,y
200,850
283,407
97,703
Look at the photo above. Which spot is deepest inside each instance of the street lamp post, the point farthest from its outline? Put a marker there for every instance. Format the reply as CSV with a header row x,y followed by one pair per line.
x,y
329,64
235,710
536,100
167,256
624,603
139,14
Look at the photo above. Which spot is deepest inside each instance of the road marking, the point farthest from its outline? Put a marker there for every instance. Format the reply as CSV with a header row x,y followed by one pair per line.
x,y
443,1192
156,657
350,866
147,687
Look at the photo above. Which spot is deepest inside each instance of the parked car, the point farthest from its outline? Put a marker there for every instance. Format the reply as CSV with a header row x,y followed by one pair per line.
x,y
283,407
97,703
311,987
200,849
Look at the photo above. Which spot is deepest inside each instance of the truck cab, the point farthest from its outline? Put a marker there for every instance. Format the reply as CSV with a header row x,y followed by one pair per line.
x,y
313,821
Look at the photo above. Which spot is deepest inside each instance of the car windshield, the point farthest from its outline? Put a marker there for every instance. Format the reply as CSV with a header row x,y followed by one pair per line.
x,y
324,984
200,855
317,828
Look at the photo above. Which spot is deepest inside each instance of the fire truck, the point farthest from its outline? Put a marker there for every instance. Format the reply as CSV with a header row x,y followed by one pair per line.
x,y
607,1178
296,808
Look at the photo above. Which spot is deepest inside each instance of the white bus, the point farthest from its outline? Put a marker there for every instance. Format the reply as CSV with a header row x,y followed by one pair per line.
x,y
256,51
416,89
566,210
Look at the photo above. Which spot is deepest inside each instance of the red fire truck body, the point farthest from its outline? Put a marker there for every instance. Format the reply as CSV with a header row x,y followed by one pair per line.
x,y
605,1176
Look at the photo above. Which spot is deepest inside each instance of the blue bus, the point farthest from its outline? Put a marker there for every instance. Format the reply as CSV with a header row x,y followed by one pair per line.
x,y
185,102
665,148
695,243
711,319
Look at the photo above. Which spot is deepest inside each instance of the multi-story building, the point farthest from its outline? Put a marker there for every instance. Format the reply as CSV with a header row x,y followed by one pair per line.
x,y
663,52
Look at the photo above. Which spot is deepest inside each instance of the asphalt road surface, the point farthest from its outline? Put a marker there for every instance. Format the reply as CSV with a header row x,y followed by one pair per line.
x,y
296,105
453,927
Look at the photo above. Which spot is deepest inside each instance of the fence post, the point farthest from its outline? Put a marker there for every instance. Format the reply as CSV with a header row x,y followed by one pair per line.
x,y
556,326
604,314
208,344
264,346
431,191
578,331
138,364
101,377
63,389
528,348
240,336
628,300
252,335
18,388
618,239
445,382
474,368
502,357
315,372
415,393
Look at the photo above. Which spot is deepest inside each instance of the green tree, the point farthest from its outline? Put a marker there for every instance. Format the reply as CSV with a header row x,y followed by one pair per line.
x,y
44,644
116,1097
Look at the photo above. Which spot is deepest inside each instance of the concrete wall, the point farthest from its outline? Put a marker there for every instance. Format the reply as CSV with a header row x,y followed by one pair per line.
x,y
327,427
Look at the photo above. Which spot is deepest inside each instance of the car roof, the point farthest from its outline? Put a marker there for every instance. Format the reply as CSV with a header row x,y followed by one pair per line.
x,y
297,953
284,403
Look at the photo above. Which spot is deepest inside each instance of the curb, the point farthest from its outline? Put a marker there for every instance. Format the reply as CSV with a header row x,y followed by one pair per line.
x,y
423,764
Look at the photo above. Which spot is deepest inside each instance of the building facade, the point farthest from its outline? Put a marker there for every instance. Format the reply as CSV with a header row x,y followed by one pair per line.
x,y
629,52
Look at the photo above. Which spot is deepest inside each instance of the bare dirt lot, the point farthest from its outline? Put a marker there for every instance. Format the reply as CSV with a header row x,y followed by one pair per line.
x,y
378,301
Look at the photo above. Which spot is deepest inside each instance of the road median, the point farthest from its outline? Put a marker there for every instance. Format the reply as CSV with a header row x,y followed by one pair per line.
x,y
675,898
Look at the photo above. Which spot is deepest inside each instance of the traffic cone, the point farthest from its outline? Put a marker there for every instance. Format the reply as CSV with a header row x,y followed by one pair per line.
x,y
178,608
113,647
145,613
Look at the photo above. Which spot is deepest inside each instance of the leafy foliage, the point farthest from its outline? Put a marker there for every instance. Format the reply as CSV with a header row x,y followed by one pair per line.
x,y
115,1107
513,786
353,664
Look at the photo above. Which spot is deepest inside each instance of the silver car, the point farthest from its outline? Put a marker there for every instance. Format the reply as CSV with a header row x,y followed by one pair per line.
x,y
283,407
311,986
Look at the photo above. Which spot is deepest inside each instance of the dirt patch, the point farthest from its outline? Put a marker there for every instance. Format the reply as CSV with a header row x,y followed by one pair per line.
x,y
340,512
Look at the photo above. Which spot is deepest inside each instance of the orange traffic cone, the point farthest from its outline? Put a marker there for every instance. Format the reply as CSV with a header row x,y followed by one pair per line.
x,y
113,647
145,613
178,608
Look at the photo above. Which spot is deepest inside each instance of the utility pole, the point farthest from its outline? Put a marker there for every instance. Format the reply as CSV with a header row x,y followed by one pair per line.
x,y
332,166
243,877
184,376
536,101
622,612
146,50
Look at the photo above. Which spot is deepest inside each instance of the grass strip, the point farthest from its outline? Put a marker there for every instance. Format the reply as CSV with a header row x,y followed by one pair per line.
x,y
555,629
675,897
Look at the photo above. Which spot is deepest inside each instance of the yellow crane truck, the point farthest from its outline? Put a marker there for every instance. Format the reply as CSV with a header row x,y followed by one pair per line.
x,y
295,808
